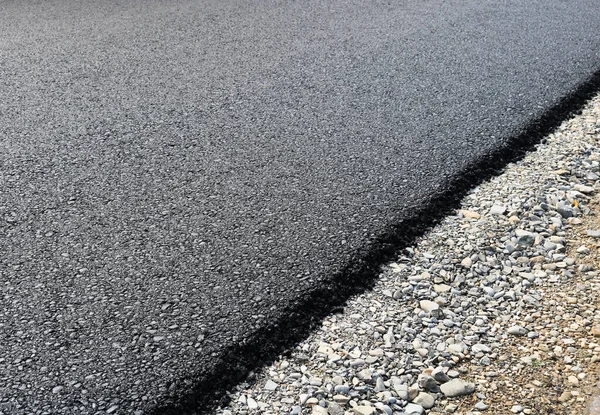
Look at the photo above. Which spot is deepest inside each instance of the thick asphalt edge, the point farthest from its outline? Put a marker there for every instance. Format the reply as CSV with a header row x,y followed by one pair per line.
x,y
202,394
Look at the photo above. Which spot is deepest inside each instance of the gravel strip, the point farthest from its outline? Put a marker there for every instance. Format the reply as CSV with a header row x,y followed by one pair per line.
x,y
494,311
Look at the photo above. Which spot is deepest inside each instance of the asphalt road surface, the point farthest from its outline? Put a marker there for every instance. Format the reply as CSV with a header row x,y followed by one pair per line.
x,y
184,184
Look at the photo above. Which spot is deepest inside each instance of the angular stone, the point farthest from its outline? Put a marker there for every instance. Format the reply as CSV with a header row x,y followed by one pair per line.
x,y
497,210
440,376
270,385
427,382
428,306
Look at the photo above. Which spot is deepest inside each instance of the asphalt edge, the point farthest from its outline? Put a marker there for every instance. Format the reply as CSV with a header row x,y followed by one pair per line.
x,y
207,390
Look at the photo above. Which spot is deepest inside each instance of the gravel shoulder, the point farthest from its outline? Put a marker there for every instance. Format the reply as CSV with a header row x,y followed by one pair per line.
x,y
494,311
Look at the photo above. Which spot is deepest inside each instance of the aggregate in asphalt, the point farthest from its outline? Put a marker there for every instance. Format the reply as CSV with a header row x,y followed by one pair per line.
x,y
180,180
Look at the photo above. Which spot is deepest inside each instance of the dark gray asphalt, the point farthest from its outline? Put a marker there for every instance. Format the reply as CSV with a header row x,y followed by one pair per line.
x,y
175,175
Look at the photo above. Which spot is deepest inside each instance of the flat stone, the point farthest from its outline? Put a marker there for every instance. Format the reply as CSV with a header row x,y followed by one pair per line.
x,y
593,233
441,288
428,306
341,399
252,404
414,409
401,390
270,385
515,409
457,387
481,406
364,410
586,190
497,210
319,410
334,409
471,214
476,348
425,400
517,331
565,396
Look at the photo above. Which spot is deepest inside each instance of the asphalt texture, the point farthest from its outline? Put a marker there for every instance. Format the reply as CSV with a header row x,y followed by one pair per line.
x,y
179,178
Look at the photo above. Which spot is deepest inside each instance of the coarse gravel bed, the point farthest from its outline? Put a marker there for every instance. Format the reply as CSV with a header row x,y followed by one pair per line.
x,y
494,311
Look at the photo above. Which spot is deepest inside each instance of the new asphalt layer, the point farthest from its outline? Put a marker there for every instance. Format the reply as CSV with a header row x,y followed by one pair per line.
x,y
186,186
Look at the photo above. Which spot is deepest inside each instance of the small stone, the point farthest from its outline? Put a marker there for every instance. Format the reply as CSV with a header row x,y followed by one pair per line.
x,y
441,288
319,410
457,387
112,409
476,348
252,404
481,406
364,410
525,238
341,399
470,214
593,233
402,391
517,331
439,375
565,211
413,392
455,348
425,400
270,385
312,401
515,409
497,210
573,381
413,409
595,331
451,408
586,190
428,306
427,382
565,396
57,389
334,409
379,385
467,262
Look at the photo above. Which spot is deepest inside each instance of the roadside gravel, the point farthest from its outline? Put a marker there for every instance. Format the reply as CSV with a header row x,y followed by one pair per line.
x,y
494,311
